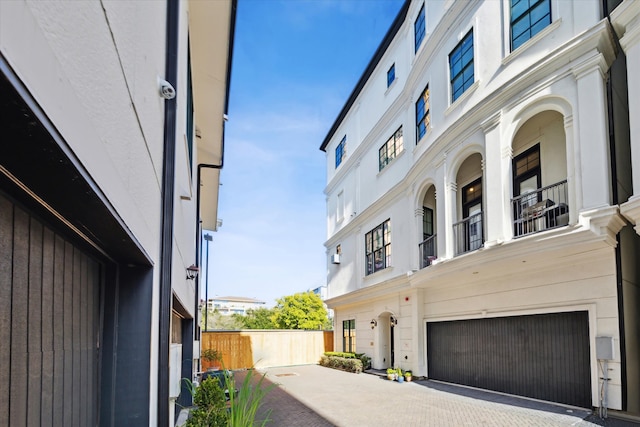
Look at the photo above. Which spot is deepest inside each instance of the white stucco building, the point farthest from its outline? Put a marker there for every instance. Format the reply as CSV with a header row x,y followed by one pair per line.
x,y
113,139
479,191
234,305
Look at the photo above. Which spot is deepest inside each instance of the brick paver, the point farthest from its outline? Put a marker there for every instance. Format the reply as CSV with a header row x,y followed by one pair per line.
x,y
311,395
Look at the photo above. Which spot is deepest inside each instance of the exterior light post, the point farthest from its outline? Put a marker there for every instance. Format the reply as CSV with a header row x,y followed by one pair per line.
x,y
208,238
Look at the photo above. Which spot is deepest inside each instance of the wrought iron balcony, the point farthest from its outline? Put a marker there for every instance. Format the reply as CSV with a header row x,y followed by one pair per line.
x,y
428,251
468,234
540,210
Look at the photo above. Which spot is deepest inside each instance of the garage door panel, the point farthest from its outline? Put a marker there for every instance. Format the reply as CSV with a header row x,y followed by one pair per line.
x,y
541,356
49,313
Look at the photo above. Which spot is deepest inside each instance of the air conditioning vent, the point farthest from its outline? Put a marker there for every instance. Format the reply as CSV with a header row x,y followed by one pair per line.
x,y
335,259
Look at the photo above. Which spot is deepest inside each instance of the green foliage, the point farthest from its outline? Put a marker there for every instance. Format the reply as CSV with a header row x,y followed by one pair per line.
x,y
220,322
210,405
246,400
340,354
348,364
366,360
259,318
304,310
211,355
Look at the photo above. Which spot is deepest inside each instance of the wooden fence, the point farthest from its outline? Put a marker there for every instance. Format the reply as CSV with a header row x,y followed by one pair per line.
x,y
267,348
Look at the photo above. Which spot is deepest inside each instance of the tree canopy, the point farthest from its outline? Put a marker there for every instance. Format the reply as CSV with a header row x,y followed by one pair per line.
x,y
260,318
304,310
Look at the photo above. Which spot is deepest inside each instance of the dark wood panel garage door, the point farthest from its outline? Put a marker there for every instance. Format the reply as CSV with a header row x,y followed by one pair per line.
x,y
49,325
542,356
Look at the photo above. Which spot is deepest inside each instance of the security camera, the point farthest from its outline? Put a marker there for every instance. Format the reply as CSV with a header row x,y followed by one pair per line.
x,y
166,90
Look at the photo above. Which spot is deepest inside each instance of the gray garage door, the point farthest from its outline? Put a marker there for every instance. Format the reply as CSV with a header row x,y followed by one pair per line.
x,y
542,356
49,323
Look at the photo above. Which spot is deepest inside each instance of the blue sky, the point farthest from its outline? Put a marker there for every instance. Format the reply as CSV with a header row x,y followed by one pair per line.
x,y
295,63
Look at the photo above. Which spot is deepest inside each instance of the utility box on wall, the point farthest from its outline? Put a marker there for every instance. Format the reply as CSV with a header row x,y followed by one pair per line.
x,y
175,370
604,348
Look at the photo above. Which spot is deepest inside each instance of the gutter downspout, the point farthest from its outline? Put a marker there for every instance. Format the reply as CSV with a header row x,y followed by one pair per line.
x,y
232,31
168,193
615,200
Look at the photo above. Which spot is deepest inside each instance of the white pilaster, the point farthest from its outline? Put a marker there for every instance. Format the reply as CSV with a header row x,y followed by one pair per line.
x,y
592,133
496,193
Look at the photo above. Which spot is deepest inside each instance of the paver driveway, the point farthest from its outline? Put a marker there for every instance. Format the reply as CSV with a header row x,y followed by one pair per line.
x,y
350,400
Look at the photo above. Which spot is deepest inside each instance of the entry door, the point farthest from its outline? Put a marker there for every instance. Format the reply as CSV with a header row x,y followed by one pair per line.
x,y
49,324
391,341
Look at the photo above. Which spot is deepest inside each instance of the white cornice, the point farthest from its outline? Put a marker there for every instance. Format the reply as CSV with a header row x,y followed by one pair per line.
x,y
372,292
631,210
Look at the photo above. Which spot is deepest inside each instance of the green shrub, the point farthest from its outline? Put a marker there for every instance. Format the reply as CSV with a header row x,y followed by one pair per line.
x,y
340,354
247,399
366,360
349,364
211,405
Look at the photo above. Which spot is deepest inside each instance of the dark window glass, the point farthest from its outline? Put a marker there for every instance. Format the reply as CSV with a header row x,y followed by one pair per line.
x,y
378,248
391,149
341,151
349,336
423,119
391,75
419,29
461,66
528,18
427,222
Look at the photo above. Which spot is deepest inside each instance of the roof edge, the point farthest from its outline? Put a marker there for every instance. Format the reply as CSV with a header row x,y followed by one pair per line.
x,y
375,60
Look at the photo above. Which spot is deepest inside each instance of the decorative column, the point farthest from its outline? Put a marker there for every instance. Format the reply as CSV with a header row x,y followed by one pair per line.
x,y
450,209
496,192
441,225
592,133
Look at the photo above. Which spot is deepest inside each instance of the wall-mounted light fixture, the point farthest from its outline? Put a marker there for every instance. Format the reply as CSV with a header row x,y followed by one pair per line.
x,y
393,321
192,272
374,323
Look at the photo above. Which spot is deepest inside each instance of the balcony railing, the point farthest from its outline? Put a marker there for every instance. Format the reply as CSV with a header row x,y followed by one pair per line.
x,y
540,210
428,251
468,234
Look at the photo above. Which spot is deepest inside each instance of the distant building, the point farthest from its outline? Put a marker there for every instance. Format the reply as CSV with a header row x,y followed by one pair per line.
x,y
234,305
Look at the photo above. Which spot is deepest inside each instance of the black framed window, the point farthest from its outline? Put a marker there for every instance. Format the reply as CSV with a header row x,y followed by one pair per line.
x,y
391,75
461,66
527,176
472,198
423,118
390,150
419,29
341,151
349,336
528,18
378,248
427,222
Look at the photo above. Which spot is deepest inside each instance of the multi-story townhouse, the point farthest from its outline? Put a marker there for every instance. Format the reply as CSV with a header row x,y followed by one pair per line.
x,y
113,124
475,178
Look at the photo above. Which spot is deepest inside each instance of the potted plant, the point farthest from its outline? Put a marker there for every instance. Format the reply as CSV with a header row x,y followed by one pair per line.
x,y
391,374
214,357
400,376
407,376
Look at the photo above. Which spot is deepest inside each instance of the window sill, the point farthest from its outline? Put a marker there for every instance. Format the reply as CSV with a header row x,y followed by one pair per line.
x,y
393,83
380,172
424,138
533,40
462,97
377,273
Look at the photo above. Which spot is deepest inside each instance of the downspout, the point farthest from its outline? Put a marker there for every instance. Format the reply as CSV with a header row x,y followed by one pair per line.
x,y
615,200
232,31
168,192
